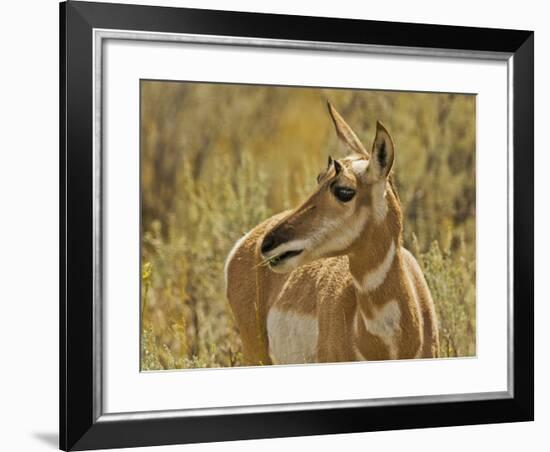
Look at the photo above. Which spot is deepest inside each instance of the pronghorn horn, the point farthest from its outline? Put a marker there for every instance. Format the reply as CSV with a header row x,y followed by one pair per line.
x,y
329,160
345,132
337,166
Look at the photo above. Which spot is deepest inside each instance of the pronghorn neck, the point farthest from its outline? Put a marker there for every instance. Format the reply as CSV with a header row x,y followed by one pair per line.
x,y
382,293
375,260
376,268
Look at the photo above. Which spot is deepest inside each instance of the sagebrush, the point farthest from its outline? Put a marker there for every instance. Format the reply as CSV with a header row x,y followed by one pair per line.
x,y
218,159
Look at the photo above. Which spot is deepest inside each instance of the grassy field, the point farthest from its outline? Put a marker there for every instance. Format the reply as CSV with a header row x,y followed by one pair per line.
x,y
218,159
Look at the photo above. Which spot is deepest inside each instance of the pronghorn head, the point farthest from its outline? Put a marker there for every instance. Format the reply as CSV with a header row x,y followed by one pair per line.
x,y
353,199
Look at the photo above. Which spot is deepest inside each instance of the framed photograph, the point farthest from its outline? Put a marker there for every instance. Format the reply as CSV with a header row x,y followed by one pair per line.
x,y
282,225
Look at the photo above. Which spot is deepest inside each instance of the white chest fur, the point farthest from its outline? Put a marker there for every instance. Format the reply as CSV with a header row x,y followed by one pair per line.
x,y
292,337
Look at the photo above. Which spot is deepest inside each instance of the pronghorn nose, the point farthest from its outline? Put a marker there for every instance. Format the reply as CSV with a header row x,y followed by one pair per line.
x,y
269,243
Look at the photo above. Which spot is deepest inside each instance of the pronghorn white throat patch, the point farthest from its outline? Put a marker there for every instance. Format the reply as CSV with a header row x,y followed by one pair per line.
x,y
372,280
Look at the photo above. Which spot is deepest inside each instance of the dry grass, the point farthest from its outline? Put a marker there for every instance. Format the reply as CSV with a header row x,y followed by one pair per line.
x,y
218,159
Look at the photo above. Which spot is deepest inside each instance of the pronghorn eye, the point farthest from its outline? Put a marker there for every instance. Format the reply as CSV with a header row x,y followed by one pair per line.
x,y
344,194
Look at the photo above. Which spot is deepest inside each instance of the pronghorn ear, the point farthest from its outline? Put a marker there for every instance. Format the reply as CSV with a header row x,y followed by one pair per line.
x,y
345,132
381,161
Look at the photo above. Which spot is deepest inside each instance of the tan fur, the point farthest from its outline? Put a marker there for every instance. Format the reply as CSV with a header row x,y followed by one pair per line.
x,y
345,244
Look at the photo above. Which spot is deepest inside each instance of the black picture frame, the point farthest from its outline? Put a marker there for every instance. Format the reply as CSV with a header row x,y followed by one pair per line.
x,y
80,426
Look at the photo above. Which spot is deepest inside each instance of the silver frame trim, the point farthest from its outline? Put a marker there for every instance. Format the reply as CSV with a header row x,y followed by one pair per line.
x,y
99,36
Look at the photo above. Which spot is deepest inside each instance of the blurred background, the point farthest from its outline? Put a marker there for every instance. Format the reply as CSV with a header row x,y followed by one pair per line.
x,y
218,159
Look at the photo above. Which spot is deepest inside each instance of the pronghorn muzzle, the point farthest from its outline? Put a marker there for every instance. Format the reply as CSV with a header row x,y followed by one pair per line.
x,y
270,242
274,250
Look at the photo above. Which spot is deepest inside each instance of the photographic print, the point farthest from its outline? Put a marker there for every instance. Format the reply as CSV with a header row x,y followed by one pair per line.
x,y
298,225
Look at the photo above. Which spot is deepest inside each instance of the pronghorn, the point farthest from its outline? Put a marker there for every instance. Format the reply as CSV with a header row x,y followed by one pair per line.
x,y
337,284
